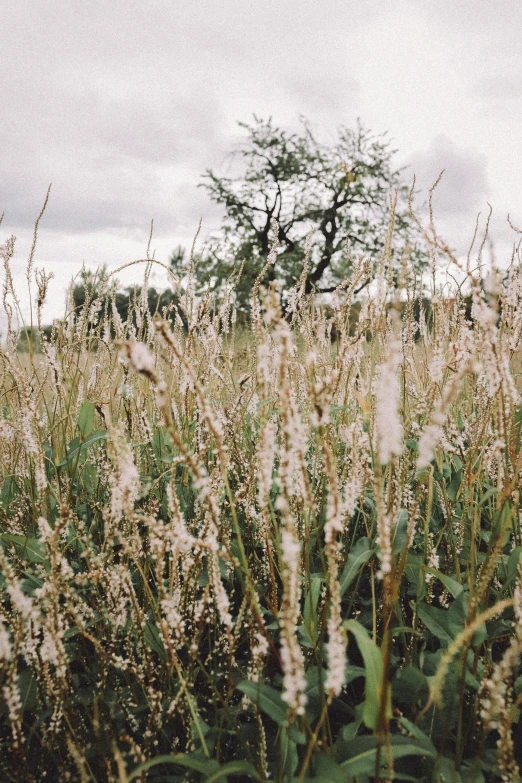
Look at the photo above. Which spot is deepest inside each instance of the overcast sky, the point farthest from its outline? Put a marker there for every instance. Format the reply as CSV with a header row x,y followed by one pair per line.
x,y
123,105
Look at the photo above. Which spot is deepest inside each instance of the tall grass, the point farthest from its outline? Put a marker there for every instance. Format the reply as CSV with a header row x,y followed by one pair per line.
x,y
290,553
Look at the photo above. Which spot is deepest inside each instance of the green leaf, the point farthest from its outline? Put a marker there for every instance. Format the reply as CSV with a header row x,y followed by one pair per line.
x,y
30,584
267,699
314,692
436,621
410,686
512,566
446,624
373,671
351,673
328,771
75,446
9,491
491,492
31,548
289,756
362,753
360,553
234,768
205,766
310,605
27,689
349,732
270,701
452,586
446,772
400,533
471,772
153,639
86,419
421,738
454,488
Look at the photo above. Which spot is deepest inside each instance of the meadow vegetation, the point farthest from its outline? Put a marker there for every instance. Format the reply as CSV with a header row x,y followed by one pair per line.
x,y
289,553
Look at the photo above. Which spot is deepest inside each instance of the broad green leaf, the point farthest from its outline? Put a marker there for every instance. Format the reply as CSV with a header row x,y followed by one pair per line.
x,y
446,772
471,771
454,487
446,624
422,739
31,548
27,689
349,732
270,701
362,753
414,574
289,756
436,621
30,584
153,639
373,671
86,419
491,492
199,726
410,686
452,586
306,638
205,766
9,490
458,611
75,446
267,699
360,553
400,533
512,566
472,681
234,768
351,673
327,770
310,604
456,462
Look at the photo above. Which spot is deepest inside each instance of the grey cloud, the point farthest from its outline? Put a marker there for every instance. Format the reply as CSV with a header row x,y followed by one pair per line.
x,y
464,186
499,20
108,158
461,194
124,106
329,102
498,88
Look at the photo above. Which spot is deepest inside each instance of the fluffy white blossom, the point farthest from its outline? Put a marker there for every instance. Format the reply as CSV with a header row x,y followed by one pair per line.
x,y
5,643
141,357
388,425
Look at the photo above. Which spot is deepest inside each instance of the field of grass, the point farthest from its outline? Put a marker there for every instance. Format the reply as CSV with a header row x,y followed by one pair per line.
x,y
290,554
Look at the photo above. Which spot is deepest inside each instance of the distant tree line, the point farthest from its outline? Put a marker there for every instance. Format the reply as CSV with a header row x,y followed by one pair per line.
x,y
92,287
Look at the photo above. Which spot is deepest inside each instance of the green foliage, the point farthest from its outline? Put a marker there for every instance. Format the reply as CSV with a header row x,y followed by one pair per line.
x,y
94,294
29,340
376,689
